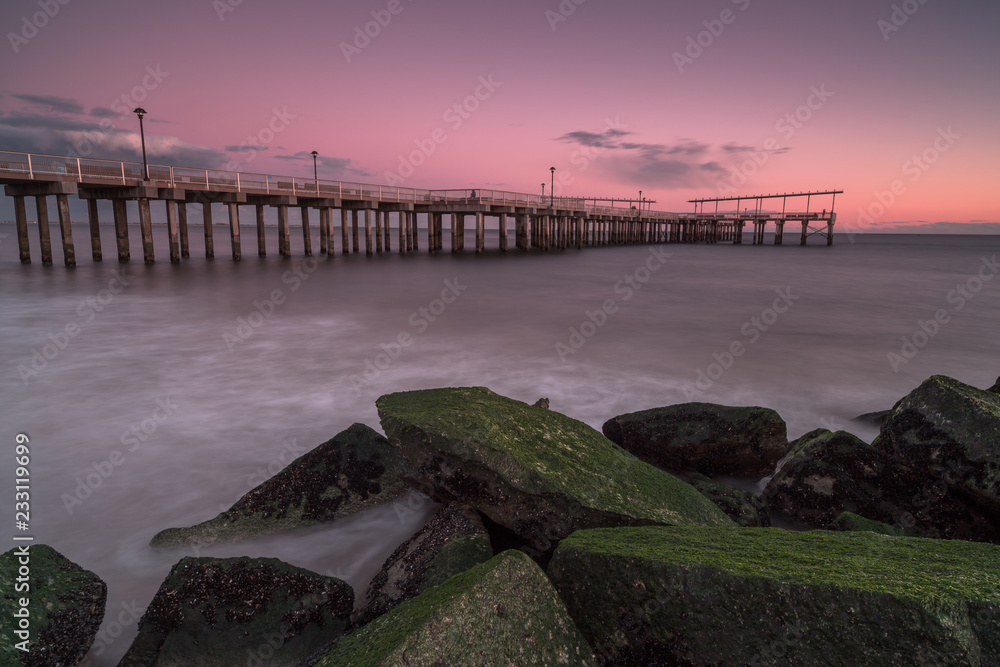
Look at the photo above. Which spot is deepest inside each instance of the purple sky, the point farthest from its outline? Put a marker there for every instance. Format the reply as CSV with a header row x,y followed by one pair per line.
x,y
620,97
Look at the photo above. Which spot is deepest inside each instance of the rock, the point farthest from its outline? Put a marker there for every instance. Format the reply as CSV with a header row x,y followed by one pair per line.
x,y
502,612
946,430
65,607
850,522
356,470
542,403
825,474
763,596
741,506
996,387
453,541
535,472
239,611
873,418
712,439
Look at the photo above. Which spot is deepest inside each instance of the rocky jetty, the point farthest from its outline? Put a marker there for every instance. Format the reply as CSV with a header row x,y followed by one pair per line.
x,y
65,606
501,612
535,472
703,437
355,470
239,611
744,596
453,541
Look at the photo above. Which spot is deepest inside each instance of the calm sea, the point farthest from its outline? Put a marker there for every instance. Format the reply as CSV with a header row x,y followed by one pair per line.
x,y
155,395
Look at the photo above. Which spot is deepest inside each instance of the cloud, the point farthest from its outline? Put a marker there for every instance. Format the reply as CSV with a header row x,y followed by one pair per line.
x,y
244,147
328,166
54,135
594,139
973,227
103,112
52,103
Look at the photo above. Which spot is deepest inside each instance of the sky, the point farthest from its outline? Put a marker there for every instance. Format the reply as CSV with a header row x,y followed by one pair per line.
x,y
896,103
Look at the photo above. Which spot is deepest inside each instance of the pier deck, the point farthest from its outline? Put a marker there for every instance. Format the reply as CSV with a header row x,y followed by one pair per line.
x,y
541,222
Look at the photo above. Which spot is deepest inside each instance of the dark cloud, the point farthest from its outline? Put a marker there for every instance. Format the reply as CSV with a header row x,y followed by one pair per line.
x,y
593,139
52,103
103,112
245,147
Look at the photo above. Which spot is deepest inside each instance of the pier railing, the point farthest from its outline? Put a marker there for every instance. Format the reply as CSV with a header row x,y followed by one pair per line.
x,y
93,171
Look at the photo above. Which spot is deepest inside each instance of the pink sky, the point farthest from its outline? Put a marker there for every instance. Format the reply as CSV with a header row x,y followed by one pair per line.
x,y
612,94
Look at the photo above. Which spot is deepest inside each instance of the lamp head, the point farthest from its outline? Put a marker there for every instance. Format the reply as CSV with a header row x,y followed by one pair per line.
x,y
139,111
314,154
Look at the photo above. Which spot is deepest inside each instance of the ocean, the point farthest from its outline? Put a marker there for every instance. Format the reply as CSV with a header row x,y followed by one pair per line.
x,y
155,396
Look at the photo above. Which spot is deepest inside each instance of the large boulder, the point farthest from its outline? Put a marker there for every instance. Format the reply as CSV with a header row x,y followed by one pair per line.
x,y
533,471
949,431
763,596
355,470
996,387
825,474
453,541
239,611
64,611
710,439
741,506
501,612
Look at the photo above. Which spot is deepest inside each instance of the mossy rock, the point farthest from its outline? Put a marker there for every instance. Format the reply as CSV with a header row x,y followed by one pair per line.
x,y
764,596
502,612
743,507
996,387
533,471
356,470
850,522
453,541
825,474
65,607
703,437
239,611
948,430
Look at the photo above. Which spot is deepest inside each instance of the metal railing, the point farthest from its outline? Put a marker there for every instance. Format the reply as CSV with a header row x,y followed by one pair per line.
x,y
87,170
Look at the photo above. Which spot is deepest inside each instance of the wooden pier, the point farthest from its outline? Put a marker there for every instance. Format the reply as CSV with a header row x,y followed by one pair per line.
x,y
544,223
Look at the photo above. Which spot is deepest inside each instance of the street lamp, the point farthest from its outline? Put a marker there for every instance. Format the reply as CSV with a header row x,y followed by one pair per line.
x,y
543,190
140,112
552,190
640,202
315,175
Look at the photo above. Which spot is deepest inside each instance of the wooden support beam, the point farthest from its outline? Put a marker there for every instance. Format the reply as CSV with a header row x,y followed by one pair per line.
x,y
284,240
172,232
261,242
120,211
146,229
45,241
234,231
306,232
66,229
95,230
206,217
182,225
21,222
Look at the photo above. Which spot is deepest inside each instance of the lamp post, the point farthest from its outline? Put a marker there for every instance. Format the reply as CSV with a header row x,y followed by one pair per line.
x,y
140,112
315,174
640,202
543,190
552,190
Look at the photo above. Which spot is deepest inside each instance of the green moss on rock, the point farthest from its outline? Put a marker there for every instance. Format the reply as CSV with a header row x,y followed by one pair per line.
x,y
355,470
502,612
220,612
453,541
536,472
850,522
704,437
65,607
668,594
741,506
